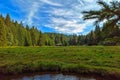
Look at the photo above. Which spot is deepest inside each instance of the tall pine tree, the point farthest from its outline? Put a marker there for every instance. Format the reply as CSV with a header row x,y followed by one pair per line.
x,y
2,33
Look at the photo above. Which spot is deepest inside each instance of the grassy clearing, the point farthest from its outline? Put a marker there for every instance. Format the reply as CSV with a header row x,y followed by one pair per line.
x,y
96,59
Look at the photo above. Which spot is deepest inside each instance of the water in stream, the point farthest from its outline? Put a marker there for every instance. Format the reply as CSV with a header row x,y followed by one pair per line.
x,y
53,77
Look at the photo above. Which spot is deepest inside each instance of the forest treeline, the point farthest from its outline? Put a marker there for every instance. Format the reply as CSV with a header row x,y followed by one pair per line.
x,y
13,33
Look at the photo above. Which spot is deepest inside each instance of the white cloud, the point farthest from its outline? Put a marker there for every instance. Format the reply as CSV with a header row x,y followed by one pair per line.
x,y
62,15
66,26
33,10
51,3
69,19
61,12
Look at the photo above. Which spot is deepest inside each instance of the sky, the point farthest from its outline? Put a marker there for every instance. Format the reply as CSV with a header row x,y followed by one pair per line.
x,y
60,16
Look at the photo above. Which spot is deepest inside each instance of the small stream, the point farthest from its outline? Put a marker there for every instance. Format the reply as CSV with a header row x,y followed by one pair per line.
x,y
51,76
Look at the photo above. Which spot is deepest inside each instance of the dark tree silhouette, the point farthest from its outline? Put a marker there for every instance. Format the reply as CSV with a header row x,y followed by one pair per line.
x,y
109,12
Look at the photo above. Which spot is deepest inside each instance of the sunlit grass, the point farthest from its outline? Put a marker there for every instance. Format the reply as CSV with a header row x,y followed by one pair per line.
x,y
95,59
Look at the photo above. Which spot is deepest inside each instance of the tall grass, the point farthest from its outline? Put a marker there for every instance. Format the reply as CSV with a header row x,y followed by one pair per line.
x,y
96,59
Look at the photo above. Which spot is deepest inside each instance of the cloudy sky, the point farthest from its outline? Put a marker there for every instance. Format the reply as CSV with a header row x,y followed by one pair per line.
x,y
62,16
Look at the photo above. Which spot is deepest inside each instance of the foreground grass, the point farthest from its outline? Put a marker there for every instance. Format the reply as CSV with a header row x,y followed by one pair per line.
x,y
96,59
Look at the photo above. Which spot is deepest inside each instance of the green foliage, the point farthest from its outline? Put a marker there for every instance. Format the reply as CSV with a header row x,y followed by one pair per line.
x,y
98,35
112,41
13,33
2,33
41,41
8,21
110,15
107,11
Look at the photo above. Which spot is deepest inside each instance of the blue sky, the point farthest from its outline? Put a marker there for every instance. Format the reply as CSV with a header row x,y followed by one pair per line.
x,y
62,16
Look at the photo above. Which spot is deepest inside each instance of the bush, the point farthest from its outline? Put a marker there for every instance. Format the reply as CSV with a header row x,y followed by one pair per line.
x,y
109,42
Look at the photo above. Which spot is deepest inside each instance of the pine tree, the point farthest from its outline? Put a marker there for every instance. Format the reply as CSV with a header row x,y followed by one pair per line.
x,y
109,12
91,38
8,20
41,40
21,35
28,41
33,36
97,33
3,41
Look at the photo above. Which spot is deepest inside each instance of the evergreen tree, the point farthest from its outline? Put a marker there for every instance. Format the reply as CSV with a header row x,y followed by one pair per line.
x,y
2,33
28,41
91,38
21,35
97,34
41,41
34,36
109,12
75,39
8,20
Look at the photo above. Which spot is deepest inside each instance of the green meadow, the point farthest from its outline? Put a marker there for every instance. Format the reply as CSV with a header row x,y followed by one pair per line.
x,y
95,59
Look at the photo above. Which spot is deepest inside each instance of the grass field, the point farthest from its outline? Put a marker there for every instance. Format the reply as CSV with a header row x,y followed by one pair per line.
x,y
95,59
